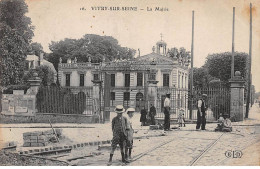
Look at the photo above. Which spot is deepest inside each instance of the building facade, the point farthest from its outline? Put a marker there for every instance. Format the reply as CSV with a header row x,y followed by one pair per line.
x,y
137,83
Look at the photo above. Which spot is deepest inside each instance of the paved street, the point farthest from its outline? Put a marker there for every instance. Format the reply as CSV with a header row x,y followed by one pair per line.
x,y
184,146
188,147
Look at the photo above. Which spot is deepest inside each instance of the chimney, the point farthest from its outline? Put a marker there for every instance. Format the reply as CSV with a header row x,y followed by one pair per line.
x,y
41,58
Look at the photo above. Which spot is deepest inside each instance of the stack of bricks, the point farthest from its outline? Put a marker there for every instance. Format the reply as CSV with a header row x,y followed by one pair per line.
x,y
38,138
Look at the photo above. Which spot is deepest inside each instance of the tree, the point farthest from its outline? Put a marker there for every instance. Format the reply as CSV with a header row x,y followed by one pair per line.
x,y
219,65
217,69
36,48
44,72
201,77
96,47
179,53
16,33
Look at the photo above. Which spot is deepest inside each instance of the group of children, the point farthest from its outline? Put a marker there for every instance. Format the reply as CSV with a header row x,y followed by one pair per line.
x,y
224,123
122,133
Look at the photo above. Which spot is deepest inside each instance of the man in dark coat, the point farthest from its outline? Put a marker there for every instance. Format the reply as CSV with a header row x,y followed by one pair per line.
x,y
152,114
201,113
143,117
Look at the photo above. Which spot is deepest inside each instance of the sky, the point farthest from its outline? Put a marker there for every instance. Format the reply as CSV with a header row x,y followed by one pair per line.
x,y
55,20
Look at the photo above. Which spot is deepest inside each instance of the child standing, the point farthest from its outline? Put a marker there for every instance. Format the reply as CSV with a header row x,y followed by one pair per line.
x,y
130,132
119,128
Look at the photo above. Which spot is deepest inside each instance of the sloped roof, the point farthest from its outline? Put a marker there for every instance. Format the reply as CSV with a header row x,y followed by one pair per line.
x,y
155,57
50,65
44,62
139,63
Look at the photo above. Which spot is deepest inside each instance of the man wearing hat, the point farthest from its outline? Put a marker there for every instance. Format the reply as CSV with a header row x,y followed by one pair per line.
x,y
166,106
119,128
201,113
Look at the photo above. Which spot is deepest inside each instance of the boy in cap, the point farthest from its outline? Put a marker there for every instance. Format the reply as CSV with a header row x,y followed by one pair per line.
x,y
130,133
119,128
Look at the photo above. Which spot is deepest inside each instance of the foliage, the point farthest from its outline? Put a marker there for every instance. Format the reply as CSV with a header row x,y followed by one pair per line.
x,y
217,69
96,47
219,65
9,89
179,53
43,72
36,48
16,33
201,77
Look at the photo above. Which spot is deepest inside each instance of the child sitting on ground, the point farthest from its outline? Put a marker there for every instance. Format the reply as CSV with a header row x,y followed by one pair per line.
x,y
224,124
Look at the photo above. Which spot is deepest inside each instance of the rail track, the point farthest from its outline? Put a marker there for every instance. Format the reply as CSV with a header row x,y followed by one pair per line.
x,y
195,160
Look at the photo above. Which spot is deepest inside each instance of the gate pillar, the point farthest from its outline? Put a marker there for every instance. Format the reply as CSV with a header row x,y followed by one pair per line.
x,y
97,98
152,89
237,97
35,83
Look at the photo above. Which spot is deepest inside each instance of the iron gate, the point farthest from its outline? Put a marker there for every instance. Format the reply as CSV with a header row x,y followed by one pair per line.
x,y
58,100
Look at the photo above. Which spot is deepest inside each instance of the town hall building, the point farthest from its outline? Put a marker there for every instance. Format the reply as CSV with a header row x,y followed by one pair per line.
x,y
137,82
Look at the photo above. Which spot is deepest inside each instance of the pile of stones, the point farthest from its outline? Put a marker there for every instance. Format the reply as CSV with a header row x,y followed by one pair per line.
x,y
40,138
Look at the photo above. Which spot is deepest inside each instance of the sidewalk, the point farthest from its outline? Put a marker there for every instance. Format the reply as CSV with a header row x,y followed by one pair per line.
x,y
82,133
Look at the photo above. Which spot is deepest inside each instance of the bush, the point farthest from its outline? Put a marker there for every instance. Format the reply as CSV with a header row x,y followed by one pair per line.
x,y
43,72
9,89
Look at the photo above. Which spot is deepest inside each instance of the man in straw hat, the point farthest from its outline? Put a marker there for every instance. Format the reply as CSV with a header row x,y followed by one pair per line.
x,y
119,128
201,113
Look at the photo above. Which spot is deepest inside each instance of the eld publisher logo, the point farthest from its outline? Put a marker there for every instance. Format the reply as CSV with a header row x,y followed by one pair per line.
x,y
233,154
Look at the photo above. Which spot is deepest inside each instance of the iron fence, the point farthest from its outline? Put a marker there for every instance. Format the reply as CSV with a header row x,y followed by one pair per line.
x,y
58,100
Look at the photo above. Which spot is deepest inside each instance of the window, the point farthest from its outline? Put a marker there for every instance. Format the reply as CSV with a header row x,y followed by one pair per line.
x,y
113,80
32,65
67,79
81,80
112,96
126,96
182,82
152,76
96,77
179,81
139,79
126,99
165,79
127,80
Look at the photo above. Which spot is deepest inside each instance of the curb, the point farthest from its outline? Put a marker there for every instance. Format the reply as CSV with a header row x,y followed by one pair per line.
x,y
75,146
60,148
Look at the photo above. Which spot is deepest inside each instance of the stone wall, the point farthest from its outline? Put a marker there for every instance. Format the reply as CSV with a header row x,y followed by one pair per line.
x,y
18,103
44,118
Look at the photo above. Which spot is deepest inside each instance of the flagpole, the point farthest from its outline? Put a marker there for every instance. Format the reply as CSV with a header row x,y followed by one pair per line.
x,y
191,76
249,64
233,45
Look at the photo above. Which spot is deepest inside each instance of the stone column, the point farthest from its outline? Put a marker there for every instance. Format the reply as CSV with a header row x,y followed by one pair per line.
x,y
35,83
97,98
237,98
152,89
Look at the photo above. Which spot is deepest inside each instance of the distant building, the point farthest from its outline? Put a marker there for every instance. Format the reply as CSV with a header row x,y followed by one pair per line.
x,y
129,78
33,61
